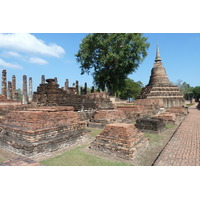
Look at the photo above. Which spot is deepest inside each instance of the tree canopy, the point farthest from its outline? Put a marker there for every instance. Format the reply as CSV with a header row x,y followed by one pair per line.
x,y
185,88
131,90
111,57
196,93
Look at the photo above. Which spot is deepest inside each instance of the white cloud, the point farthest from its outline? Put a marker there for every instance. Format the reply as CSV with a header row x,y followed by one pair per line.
x,y
26,42
39,61
11,54
9,65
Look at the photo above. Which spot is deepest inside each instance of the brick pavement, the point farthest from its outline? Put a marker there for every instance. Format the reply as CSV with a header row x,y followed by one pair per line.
x,y
184,147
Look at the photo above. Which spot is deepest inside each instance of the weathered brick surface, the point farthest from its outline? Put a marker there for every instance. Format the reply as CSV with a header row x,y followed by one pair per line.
x,y
40,130
50,94
121,140
4,99
32,119
20,161
150,125
172,115
133,112
103,117
168,118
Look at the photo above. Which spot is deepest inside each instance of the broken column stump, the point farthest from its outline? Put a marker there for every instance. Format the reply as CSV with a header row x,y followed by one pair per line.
x,y
121,140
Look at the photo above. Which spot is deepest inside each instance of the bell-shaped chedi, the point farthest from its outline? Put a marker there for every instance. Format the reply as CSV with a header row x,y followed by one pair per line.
x,y
160,87
158,72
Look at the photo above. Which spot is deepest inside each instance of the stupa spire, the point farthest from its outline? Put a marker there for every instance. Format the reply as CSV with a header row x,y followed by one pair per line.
x,y
158,58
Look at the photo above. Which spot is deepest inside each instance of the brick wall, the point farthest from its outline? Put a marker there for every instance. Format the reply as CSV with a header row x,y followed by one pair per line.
x,y
40,130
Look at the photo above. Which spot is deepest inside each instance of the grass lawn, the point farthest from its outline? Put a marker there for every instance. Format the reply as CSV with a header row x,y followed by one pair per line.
x,y
1,159
76,157
152,137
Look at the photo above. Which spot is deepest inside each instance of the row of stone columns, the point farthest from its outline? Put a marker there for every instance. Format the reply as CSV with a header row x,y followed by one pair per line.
x,y
10,91
67,88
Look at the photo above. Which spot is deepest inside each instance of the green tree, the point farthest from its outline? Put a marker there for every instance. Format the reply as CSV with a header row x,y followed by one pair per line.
x,y
131,90
196,93
19,94
111,57
185,88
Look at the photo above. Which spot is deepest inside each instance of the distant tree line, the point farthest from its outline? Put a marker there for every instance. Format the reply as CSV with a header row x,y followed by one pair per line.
x,y
188,91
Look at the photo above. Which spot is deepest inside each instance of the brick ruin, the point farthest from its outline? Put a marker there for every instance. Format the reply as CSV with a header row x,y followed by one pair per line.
x,y
35,131
29,127
126,113
160,87
121,140
150,125
49,94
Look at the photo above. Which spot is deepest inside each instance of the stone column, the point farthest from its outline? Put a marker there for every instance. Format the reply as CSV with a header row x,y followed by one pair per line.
x,y
9,93
13,87
66,85
85,88
56,80
81,90
24,92
77,87
43,79
92,90
30,89
4,84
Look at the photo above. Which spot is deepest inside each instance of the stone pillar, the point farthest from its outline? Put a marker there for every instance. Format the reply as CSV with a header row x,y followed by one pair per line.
x,y
66,85
30,89
24,92
92,90
56,80
85,88
9,93
77,87
81,90
43,79
4,84
13,87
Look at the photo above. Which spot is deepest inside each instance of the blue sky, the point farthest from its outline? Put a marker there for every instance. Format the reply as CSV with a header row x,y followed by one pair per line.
x,y
52,55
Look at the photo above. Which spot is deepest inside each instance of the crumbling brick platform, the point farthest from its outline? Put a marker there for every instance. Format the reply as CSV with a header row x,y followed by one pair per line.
x,y
103,117
172,115
121,140
168,118
133,112
150,125
40,130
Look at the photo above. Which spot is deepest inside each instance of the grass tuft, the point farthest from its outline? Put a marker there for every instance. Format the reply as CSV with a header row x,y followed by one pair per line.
x,y
169,125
